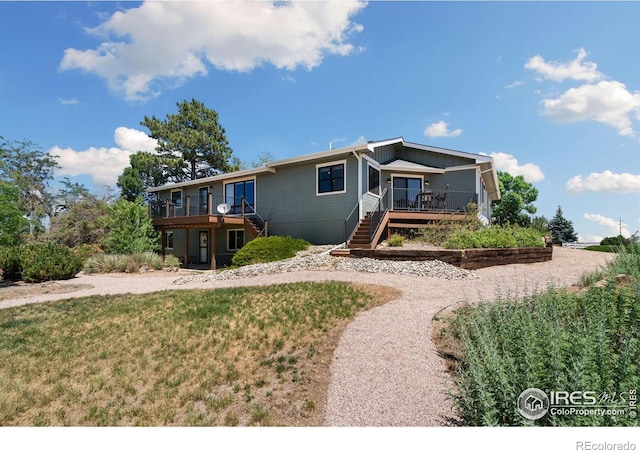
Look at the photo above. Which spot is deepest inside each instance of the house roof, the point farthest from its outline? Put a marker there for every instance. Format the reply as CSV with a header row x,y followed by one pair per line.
x,y
489,176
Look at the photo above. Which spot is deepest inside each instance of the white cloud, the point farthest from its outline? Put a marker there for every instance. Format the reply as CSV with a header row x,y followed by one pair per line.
x,y
359,140
514,84
606,181
612,225
607,101
441,129
506,162
590,238
134,140
161,44
578,69
103,164
68,101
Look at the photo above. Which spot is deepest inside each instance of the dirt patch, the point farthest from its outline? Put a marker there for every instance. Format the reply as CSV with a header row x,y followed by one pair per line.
x,y
20,289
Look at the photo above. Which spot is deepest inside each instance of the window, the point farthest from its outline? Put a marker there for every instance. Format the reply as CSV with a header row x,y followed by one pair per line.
x,y
176,198
331,178
374,181
169,240
235,192
235,240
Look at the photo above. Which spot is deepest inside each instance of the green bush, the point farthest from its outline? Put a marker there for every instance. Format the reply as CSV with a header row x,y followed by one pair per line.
x,y
10,263
556,340
494,237
171,261
47,261
108,263
395,240
267,249
85,251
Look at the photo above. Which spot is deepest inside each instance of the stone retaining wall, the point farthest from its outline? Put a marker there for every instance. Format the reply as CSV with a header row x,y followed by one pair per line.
x,y
474,258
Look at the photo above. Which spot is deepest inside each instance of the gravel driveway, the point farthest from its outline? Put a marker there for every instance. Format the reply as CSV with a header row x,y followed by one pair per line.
x,y
385,371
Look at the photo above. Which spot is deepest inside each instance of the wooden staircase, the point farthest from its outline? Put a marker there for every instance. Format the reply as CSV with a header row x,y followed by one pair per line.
x,y
253,226
361,237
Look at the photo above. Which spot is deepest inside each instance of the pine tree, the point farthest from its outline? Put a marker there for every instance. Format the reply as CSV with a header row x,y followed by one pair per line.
x,y
561,229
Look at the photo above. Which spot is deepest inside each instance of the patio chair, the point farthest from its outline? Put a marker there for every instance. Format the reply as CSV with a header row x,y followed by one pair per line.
x,y
441,199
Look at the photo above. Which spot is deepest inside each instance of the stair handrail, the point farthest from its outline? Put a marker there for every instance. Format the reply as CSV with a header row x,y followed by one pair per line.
x,y
377,213
253,212
350,229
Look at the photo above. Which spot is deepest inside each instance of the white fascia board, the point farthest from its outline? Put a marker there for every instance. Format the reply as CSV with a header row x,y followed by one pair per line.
x,y
457,168
213,179
373,145
319,155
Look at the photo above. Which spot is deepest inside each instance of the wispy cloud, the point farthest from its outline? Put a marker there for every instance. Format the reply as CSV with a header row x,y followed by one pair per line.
x,y
577,69
514,84
162,44
441,129
68,101
611,225
605,181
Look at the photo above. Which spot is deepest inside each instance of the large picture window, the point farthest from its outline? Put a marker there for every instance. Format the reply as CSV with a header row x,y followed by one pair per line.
x,y
374,181
331,178
235,192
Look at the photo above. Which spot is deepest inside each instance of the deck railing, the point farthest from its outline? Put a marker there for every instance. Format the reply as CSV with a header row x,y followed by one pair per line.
x,y
195,205
351,222
432,200
377,213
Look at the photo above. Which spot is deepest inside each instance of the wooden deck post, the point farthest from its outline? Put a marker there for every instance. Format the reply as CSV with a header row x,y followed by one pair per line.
x,y
209,203
187,206
163,239
186,248
213,248
166,208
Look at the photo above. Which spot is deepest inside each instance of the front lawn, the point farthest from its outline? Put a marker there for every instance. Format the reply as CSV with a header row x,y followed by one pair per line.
x,y
241,356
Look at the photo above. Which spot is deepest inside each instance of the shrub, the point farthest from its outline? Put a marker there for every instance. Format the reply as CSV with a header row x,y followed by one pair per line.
x,y
443,228
494,237
47,261
106,263
171,261
84,251
555,340
395,240
10,263
267,249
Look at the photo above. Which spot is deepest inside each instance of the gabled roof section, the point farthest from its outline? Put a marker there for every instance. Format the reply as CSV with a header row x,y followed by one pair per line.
x,y
400,165
445,151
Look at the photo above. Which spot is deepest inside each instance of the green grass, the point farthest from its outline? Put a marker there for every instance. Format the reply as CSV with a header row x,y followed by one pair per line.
x,y
245,356
556,340
267,249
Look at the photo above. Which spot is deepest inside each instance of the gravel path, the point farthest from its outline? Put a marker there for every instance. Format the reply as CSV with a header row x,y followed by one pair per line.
x,y
385,371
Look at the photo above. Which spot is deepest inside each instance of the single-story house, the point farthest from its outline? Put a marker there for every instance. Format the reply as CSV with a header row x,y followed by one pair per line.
x,y
340,195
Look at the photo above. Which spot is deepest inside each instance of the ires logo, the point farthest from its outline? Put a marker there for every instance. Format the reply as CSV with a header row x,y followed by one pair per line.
x,y
534,403
576,398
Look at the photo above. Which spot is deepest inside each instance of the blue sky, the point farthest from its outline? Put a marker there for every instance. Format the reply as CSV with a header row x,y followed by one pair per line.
x,y
550,89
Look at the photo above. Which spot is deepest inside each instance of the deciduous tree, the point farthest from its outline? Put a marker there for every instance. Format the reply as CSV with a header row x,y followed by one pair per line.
x,y
516,203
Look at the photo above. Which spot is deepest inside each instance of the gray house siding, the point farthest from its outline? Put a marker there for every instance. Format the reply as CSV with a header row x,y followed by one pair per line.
x,y
288,200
